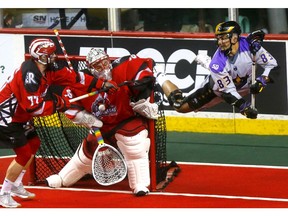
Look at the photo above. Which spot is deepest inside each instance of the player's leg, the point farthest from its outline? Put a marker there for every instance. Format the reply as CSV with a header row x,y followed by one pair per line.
x,y
73,171
135,149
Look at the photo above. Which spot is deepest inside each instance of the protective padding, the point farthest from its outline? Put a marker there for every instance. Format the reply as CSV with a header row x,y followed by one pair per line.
x,y
135,150
87,119
75,169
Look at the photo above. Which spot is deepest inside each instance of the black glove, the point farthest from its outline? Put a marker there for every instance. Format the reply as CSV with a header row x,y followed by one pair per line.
x,y
254,39
176,99
259,85
111,87
248,111
61,104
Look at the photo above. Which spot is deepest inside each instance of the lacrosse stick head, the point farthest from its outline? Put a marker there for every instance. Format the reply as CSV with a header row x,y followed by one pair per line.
x,y
99,64
108,165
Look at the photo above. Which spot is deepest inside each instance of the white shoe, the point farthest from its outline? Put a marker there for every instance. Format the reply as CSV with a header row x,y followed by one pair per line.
x,y
7,201
21,192
141,191
203,60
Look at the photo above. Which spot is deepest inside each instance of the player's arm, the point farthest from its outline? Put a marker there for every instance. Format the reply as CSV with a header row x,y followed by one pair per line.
x,y
171,91
81,81
142,88
268,63
230,95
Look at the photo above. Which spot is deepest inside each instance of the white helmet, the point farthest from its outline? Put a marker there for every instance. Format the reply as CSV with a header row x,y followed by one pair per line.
x,y
99,64
42,47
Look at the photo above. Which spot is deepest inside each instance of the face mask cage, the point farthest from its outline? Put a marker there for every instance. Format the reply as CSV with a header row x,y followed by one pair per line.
x,y
102,69
50,59
224,37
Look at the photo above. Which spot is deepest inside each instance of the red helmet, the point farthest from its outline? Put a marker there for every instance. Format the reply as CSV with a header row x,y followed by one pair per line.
x,y
40,47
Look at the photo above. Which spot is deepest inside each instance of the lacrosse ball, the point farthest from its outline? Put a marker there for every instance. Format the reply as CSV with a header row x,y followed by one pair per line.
x,y
102,107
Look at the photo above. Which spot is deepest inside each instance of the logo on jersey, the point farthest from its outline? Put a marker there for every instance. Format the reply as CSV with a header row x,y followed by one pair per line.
x,y
30,78
215,66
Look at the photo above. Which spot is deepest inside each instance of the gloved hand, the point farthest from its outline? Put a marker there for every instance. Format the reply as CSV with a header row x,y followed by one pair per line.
x,y
61,103
176,99
145,108
254,39
111,86
259,85
203,60
248,111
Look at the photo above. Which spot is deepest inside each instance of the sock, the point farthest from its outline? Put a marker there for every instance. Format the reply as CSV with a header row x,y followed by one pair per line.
x,y
19,179
7,186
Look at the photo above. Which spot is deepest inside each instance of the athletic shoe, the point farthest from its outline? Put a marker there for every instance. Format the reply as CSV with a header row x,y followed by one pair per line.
x,y
21,192
141,191
7,201
203,60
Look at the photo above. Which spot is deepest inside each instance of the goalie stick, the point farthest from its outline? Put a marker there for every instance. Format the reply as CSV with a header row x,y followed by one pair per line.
x,y
108,164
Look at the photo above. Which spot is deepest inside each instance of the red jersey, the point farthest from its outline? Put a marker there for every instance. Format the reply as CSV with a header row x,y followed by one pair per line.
x,y
22,96
117,106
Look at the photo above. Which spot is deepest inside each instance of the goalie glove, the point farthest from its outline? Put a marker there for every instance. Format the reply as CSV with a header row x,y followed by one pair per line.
x,y
145,108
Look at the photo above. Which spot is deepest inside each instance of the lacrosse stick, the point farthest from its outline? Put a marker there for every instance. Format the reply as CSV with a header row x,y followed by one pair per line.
x,y
98,91
63,49
253,77
108,165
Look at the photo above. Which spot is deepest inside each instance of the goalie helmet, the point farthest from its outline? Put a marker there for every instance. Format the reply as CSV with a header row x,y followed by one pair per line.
x,y
40,47
99,64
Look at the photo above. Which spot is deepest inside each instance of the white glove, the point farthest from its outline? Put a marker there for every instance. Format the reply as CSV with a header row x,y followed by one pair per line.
x,y
203,60
159,74
145,108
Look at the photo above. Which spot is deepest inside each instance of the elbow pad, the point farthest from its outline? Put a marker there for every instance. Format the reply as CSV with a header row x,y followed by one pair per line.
x,y
230,99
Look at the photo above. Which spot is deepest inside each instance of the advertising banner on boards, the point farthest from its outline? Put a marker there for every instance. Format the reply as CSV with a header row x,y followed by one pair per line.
x,y
178,56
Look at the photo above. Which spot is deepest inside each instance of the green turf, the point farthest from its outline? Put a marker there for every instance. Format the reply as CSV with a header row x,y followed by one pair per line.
x,y
223,148
228,148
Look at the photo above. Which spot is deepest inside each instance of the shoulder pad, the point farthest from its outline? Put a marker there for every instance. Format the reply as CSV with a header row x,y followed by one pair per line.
x,y
218,62
31,76
119,61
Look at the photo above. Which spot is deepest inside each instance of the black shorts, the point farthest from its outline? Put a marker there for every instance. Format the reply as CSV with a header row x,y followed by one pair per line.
x,y
13,136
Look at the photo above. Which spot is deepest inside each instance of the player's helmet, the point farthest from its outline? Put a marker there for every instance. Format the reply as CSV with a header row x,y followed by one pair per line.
x,y
228,27
42,47
99,64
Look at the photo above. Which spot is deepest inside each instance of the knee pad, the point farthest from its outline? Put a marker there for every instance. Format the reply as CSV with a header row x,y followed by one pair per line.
x,y
135,150
134,147
75,169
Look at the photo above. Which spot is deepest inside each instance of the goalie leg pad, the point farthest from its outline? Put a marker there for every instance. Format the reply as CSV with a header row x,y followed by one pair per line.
x,y
75,169
135,150
86,119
